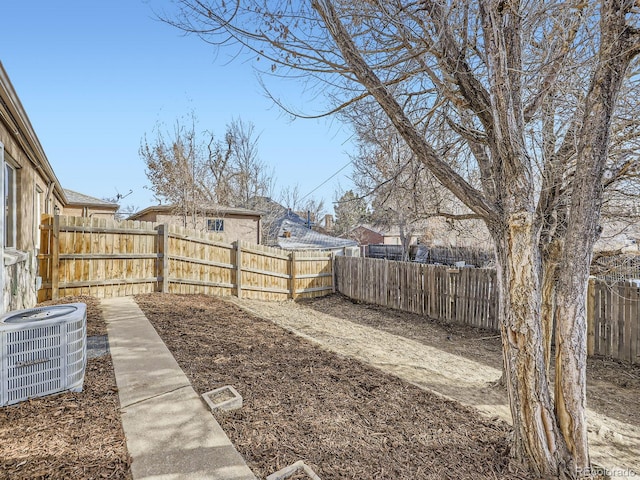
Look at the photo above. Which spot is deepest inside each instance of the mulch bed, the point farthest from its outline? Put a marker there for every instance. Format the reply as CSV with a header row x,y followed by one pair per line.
x,y
345,419
69,435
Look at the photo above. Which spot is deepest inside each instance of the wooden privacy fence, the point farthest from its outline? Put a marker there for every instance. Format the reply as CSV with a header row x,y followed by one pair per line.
x,y
469,296
465,295
614,320
107,258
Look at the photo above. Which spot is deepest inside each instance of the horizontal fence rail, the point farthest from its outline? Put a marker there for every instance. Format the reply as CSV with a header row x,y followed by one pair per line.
x,y
107,258
469,296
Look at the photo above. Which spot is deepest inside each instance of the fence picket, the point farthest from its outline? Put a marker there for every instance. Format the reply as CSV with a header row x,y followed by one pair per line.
x,y
469,296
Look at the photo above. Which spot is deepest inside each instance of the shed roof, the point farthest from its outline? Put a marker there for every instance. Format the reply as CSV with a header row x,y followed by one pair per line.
x,y
212,209
76,198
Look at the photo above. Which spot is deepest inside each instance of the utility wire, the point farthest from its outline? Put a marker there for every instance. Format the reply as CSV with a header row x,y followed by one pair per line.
x,y
349,163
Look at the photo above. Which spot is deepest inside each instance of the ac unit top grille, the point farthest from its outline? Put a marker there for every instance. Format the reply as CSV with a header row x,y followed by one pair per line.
x,y
39,314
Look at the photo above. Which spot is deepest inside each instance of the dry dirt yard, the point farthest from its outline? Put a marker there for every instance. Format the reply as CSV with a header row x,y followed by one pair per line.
x,y
350,393
461,363
283,378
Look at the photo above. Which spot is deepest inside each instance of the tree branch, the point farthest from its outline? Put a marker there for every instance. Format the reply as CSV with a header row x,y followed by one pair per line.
x,y
440,169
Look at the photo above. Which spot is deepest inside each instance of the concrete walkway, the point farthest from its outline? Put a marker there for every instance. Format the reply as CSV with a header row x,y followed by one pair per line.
x,y
170,432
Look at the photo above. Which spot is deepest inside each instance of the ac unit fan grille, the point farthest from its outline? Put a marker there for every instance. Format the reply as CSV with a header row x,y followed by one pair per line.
x,y
41,358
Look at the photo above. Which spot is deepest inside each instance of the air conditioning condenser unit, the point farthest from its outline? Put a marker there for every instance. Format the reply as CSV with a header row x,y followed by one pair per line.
x,y
42,351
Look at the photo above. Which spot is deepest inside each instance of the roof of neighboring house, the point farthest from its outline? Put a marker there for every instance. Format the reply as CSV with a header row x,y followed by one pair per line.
x,y
391,231
267,206
211,209
303,238
368,227
76,198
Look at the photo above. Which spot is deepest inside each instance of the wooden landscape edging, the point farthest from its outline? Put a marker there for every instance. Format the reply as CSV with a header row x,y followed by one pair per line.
x,y
469,296
105,258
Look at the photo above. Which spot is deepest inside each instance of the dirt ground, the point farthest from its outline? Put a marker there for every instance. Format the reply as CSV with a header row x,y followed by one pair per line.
x,y
613,387
350,393
461,363
69,435
345,419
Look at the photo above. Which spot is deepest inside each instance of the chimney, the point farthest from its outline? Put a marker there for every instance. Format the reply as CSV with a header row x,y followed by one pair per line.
x,y
328,222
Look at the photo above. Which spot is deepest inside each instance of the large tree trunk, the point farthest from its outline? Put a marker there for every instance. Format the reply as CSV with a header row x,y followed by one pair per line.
x,y
550,437
571,361
618,48
537,439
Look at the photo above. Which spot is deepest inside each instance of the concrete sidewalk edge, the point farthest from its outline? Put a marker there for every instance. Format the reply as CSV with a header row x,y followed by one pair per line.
x,y
170,432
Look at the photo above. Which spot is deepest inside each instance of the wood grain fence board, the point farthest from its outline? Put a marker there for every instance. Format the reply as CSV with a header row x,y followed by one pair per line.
x,y
597,305
463,296
404,300
634,316
604,327
612,323
394,293
467,308
470,296
475,300
445,293
605,303
591,317
481,287
239,269
624,341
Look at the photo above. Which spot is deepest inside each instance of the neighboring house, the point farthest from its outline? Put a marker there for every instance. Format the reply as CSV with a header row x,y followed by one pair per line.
x,y
229,224
291,232
366,235
80,205
370,235
30,188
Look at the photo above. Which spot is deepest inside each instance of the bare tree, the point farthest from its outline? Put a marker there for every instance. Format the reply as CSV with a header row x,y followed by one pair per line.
x,y
403,193
176,169
529,90
302,205
248,175
195,171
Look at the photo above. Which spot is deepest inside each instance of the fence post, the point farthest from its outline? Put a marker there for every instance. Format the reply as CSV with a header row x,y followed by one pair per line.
x,y
591,303
238,269
334,279
163,247
292,288
55,259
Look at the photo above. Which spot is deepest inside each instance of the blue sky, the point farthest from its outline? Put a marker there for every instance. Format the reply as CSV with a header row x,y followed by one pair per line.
x,y
94,77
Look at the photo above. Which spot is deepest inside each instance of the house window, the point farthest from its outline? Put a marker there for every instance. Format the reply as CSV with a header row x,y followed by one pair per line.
x,y
10,207
215,225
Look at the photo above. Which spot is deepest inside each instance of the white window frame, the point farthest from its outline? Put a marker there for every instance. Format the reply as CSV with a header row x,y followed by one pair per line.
x,y
10,237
